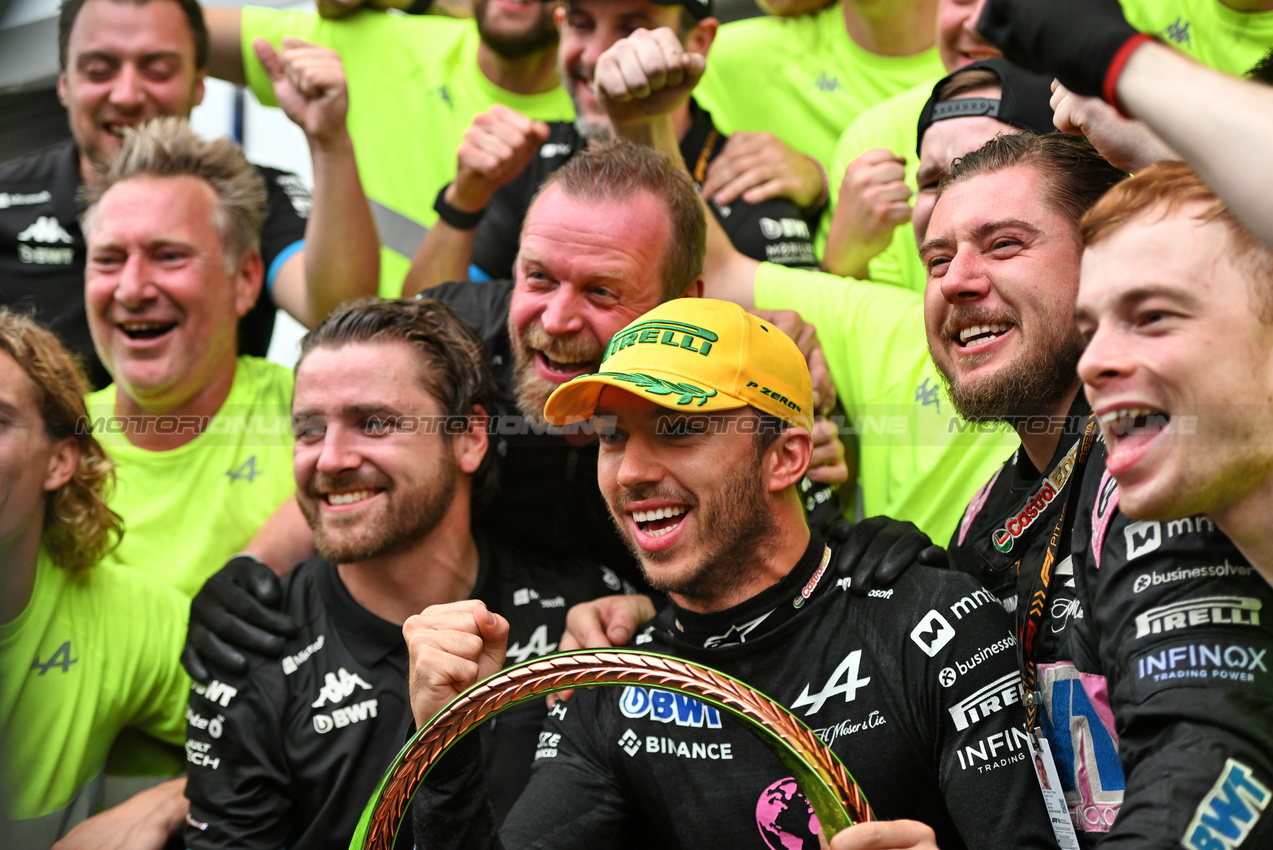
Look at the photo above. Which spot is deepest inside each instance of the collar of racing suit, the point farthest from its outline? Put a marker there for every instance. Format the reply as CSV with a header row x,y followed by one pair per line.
x,y
763,612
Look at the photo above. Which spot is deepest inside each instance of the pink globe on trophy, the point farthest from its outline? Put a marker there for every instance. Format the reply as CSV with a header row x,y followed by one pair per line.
x,y
785,818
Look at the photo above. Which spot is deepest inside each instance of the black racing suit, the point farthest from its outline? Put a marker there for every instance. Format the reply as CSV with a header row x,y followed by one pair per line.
x,y
1132,726
288,754
42,251
771,230
914,688
548,493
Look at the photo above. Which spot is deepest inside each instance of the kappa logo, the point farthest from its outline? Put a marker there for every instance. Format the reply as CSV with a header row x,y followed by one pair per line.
x,y
536,646
932,633
846,671
667,707
994,697
1207,610
827,83
45,230
1229,812
338,686
1178,31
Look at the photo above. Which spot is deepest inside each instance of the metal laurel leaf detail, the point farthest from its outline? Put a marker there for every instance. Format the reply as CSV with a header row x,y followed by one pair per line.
x,y
835,797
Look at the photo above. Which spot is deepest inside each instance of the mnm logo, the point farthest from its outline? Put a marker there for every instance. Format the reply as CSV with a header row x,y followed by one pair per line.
x,y
667,707
1229,812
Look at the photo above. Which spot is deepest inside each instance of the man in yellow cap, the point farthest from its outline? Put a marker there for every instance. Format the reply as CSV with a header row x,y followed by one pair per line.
x,y
704,414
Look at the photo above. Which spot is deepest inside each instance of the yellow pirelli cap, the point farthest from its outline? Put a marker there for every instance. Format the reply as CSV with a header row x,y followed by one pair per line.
x,y
696,355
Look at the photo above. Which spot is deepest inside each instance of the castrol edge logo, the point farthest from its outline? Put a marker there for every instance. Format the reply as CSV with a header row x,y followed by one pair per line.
x,y
1053,484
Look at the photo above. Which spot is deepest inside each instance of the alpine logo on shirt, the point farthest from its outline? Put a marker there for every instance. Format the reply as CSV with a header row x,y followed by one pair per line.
x,y
536,646
45,230
843,682
60,658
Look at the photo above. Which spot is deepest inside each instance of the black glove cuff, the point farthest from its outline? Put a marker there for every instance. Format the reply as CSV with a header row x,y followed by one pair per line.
x,y
458,219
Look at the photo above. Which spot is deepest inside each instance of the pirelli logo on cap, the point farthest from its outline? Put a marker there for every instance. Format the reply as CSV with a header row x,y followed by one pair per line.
x,y
1004,691
1208,610
664,332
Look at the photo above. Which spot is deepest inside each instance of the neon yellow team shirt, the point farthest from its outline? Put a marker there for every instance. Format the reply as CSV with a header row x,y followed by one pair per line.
x,y
1207,30
414,89
917,459
802,79
891,124
187,510
87,658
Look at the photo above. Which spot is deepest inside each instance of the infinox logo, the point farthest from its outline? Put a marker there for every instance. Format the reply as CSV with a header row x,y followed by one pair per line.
x,y
675,334
1052,485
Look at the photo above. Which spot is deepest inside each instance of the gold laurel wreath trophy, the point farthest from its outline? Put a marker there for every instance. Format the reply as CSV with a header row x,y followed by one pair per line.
x,y
835,797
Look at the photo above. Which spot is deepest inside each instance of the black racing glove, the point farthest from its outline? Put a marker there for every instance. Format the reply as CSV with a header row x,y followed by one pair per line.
x,y
1083,43
236,609
876,551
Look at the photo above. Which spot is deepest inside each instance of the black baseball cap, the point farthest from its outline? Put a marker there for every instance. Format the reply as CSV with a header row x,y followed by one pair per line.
x,y
698,8
1024,102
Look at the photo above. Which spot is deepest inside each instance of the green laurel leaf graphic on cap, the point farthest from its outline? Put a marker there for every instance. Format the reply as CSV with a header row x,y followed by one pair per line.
x,y
658,386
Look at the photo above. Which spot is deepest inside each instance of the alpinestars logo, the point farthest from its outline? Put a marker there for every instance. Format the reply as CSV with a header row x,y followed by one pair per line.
x,y
848,688
338,686
932,633
46,231
1055,482
736,633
